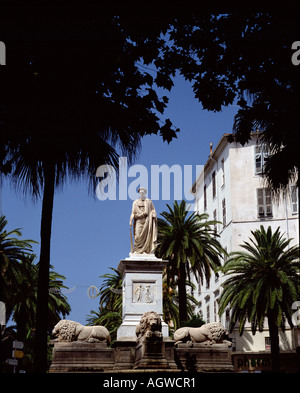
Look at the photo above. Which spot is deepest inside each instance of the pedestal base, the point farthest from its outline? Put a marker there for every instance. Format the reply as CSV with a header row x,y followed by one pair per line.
x,y
202,357
131,355
150,355
81,357
142,292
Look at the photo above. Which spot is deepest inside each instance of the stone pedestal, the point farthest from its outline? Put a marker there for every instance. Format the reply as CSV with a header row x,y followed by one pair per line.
x,y
81,357
150,354
142,292
202,357
133,355
124,354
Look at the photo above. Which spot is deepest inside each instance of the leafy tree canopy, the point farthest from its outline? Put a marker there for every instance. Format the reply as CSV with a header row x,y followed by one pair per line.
x,y
62,58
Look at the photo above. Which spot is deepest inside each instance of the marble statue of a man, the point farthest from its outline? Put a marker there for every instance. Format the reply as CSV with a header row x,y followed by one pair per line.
x,y
144,221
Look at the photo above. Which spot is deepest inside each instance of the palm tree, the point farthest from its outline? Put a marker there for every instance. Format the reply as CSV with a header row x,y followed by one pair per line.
x,y
111,319
12,252
23,303
42,160
111,290
263,282
171,303
190,245
109,313
19,284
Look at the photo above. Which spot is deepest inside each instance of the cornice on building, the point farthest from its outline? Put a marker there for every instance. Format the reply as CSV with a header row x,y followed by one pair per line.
x,y
215,154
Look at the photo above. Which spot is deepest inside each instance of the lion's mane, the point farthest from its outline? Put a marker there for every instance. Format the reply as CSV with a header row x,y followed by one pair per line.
x,y
145,326
65,330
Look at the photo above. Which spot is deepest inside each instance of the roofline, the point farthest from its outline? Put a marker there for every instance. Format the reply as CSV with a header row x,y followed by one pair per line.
x,y
215,154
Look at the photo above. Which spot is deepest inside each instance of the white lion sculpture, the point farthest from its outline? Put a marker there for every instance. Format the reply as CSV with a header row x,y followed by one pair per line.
x,y
66,330
149,326
210,333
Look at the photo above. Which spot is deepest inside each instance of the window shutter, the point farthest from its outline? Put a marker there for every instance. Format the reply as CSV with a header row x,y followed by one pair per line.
x,y
294,198
214,184
264,202
262,154
215,219
260,202
268,202
224,212
258,164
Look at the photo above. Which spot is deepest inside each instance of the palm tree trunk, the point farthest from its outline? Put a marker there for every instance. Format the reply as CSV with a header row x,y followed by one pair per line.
x,y
182,293
274,337
40,350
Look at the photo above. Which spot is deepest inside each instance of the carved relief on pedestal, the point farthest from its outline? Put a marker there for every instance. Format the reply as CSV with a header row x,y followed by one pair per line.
x,y
143,292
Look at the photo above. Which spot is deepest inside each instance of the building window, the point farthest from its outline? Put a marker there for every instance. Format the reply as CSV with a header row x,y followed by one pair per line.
x,y
262,154
207,314
222,172
264,202
224,212
267,344
294,199
215,219
205,197
216,315
207,300
216,306
214,190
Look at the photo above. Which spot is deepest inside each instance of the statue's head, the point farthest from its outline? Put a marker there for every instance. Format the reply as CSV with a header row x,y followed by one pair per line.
x,y
142,191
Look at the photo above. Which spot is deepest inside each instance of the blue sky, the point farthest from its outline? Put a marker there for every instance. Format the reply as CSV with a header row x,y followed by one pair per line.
x,y
89,235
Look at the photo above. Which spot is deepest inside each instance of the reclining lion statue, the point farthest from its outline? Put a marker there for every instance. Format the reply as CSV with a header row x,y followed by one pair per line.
x,y
210,333
66,330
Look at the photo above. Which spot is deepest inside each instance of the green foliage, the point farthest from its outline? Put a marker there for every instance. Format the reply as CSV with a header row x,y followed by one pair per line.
x,y
244,56
263,283
263,277
12,251
195,321
191,246
109,313
171,302
19,284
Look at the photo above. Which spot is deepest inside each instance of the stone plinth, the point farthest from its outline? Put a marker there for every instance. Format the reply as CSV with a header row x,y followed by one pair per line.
x,y
157,354
81,357
150,355
202,357
124,354
142,292
131,355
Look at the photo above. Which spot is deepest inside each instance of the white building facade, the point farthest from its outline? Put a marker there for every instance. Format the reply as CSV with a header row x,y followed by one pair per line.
x,y
231,189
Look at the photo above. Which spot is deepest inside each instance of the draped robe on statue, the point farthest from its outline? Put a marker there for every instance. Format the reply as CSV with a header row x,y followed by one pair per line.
x,y
144,228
